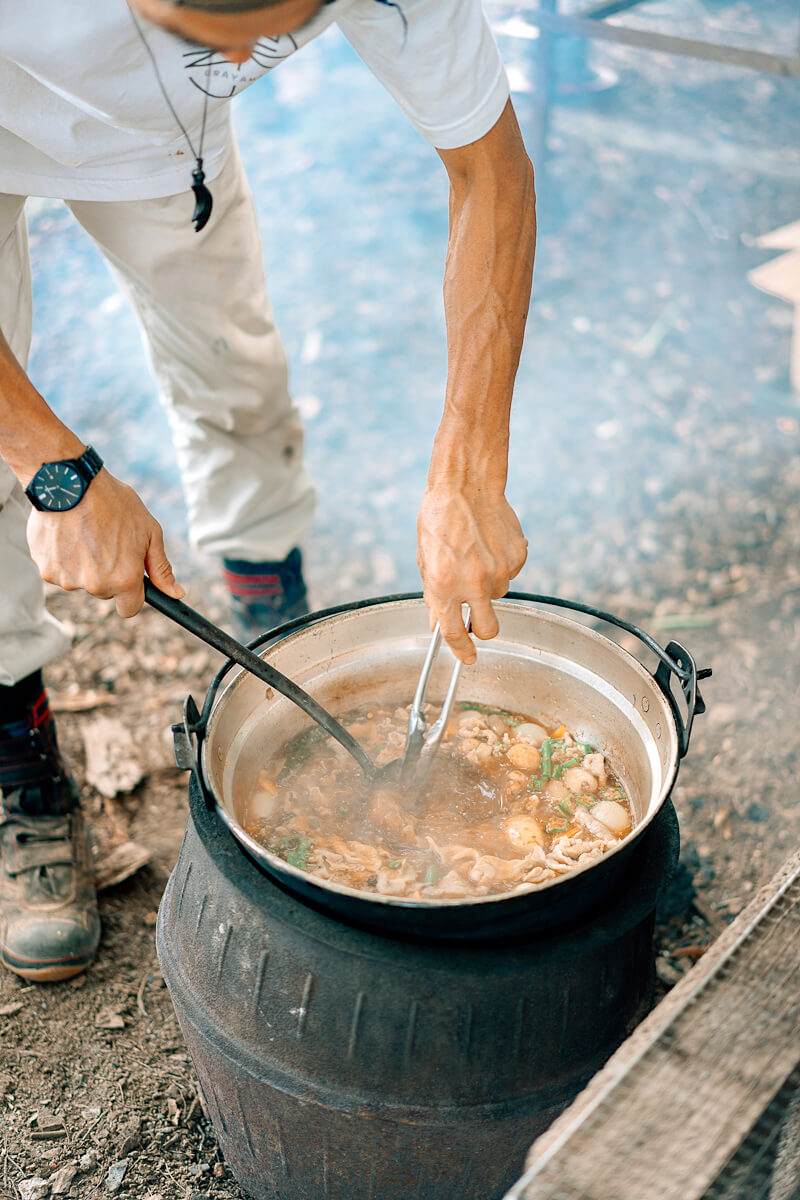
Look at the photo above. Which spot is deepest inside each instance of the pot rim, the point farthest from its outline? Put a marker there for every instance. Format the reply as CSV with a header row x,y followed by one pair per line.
x,y
284,870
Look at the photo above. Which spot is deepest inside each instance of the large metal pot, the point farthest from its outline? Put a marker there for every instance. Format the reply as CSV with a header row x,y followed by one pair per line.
x,y
541,663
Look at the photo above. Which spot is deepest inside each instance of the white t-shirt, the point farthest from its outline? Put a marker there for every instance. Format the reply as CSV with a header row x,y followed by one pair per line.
x,y
82,116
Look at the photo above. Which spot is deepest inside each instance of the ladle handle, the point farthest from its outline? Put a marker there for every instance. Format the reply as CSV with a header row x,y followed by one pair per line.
x,y
213,636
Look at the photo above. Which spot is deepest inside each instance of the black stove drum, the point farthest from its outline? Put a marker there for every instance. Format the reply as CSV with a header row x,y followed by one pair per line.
x,y
361,1048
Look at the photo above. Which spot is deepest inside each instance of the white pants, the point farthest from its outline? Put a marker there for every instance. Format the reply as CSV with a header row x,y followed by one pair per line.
x,y
218,359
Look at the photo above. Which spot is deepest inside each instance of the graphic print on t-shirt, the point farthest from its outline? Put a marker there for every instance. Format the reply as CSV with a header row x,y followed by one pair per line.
x,y
210,71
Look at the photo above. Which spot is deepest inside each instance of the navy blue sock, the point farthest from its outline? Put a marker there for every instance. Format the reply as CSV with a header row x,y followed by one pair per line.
x,y
33,776
272,584
16,700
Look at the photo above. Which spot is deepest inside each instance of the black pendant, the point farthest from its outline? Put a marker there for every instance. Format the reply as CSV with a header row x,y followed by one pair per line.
x,y
203,200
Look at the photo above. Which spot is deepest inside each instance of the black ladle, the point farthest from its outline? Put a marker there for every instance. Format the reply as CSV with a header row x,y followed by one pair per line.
x,y
213,636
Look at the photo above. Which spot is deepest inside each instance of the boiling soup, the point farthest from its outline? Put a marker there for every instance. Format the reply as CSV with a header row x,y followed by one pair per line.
x,y
509,803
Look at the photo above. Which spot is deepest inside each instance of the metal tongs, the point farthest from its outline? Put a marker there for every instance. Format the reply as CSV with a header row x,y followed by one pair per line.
x,y
422,743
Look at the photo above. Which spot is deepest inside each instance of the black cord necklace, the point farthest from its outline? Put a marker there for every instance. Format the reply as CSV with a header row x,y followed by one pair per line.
x,y
202,196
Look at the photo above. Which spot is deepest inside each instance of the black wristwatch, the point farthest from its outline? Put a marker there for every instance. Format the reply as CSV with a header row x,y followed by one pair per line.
x,y
59,486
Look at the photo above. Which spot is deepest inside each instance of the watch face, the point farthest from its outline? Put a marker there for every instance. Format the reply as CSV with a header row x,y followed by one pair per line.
x,y
57,487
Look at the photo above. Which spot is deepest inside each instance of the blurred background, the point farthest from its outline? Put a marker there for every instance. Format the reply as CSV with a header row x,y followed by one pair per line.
x,y
654,465
654,428
654,459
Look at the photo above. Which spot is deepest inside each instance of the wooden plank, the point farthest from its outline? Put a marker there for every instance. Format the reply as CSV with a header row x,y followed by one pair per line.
x,y
646,39
785,238
713,1069
779,277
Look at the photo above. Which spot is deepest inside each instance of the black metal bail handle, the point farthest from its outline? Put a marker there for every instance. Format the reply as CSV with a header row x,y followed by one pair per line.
x,y
688,683
674,660
213,636
186,737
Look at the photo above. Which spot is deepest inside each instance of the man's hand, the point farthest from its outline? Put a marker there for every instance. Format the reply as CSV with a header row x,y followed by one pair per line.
x,y
109,540
103,545
470,547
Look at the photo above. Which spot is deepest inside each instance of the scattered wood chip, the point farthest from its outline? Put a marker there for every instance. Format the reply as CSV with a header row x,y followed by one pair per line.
x,y
113,764
106,1018
722,820
46,1120
140,992
120,863
130,1137
711,918
8,1010
81,701
203,1105
667,972
693,952
117,820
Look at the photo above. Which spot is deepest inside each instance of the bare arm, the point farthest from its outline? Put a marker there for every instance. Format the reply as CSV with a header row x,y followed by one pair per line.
x,y
109,540
470,541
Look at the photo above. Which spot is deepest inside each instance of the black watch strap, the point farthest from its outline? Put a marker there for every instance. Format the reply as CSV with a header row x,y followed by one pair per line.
x,y
88,464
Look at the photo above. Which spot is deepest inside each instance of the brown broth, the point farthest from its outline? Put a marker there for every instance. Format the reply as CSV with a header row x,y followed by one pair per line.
x,y
498,811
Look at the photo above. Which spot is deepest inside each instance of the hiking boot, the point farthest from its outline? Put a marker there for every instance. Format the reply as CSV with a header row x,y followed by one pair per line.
x,y
49,924
264,595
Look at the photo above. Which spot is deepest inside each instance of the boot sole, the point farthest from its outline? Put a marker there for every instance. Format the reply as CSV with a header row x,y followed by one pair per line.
x,y
45,971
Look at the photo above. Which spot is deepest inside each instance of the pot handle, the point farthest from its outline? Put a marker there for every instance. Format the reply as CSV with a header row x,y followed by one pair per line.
x,y
186,736
687,677
674,660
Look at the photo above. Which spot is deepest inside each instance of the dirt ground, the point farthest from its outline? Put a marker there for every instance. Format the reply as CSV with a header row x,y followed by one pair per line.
x,y
94,1078
647,342
103,1052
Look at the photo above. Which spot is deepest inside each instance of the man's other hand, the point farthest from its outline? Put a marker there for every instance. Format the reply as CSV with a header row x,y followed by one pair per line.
x,y
470,546
104,545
